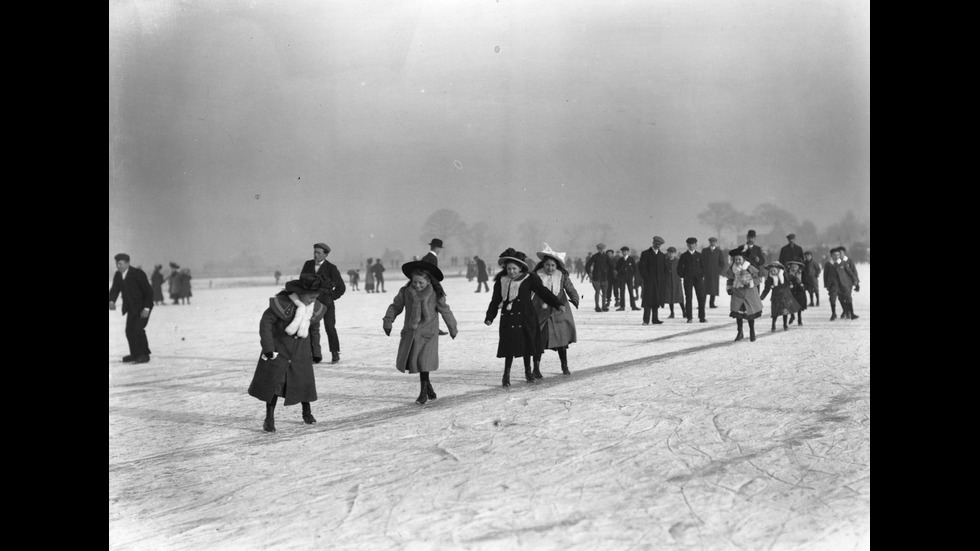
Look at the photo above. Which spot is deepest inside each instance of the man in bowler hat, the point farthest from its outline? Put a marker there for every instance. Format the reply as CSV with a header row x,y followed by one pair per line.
x,y
691,269
654,269
600,269
137,295
331,288
435,247
752,252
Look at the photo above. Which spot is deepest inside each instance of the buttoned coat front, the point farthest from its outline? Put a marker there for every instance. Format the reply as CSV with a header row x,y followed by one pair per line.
x,y
290,374
418,349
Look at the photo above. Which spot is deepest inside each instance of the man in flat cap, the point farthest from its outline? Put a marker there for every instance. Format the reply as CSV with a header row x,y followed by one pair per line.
x,y
626,271
715,263
791,251
331,289
600,269
654,271
751,252
432,257
137,295
690,267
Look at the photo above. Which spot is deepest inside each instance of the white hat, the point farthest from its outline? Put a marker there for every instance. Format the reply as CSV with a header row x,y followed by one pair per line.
x,y
547,252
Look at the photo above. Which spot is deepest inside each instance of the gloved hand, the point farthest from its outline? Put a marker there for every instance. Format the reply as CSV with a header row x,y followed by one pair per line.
x,y
453,333
857,288
317,359
269,355
387,327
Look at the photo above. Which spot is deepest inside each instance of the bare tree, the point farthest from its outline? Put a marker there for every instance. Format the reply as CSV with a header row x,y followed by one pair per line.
x,y
532,234
718,216
478,235
444,224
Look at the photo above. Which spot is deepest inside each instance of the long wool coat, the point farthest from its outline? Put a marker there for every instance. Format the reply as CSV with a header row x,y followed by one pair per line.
x,y
714,262
519,329
746,303
799,288
156,281
656,278
418,349
675,289
290,374
557,328
782,301
811,271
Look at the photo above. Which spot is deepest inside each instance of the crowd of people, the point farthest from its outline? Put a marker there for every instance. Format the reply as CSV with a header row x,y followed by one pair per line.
x,y
530,303
178,283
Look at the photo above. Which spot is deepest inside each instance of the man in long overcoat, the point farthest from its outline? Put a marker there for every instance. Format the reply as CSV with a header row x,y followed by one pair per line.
x,y
432,257
600,269
656,276
791,251
331,289
714,262
481,275
137,295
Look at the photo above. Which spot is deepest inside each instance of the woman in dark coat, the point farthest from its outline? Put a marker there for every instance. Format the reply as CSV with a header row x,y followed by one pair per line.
x,y
369,276
156,281
519,329
423,301
782,302
743,280
288,347
675,290
557,328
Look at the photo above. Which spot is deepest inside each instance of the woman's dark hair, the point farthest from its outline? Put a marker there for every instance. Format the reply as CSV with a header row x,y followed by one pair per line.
x,y
557,264
436,286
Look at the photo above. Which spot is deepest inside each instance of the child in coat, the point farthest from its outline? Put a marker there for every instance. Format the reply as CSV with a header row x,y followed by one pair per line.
x,y
423,300
782,301
799,286
557,328
519,329
743,286
288,347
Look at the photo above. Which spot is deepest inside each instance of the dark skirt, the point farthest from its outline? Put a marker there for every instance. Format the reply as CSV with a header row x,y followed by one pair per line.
x,y
783,303
743,316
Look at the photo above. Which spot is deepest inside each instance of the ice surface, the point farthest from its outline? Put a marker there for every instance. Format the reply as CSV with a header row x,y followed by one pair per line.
x,y
663,437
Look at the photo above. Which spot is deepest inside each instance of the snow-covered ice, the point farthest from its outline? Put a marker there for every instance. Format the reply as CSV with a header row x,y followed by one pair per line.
x,y
663,437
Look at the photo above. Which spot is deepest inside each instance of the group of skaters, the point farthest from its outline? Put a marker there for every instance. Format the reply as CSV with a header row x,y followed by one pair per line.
x,y
530,299
374,278
178,284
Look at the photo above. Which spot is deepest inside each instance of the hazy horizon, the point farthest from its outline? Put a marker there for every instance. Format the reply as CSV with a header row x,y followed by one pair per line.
x,y
260,128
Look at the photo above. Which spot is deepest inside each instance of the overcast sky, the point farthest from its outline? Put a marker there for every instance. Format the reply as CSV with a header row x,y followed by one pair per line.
x,y
263,127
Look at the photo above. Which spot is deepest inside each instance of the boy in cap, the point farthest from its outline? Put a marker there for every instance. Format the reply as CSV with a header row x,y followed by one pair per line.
x,y
137,302
811,277
600,269
691,269
626,271
331,290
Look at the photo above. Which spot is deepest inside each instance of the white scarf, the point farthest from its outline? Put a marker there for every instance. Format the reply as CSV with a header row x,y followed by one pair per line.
x,y
778,279
513,287
552,282
740,275
300,326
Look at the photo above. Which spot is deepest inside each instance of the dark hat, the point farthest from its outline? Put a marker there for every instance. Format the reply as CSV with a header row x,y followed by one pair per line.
x,y
751,233
511,255
436,243
692,240
307,283
672,249
658,239
791,236
736,252
624,248
122,256
600,246
322,246
429,268
796,262
174,265
713,239
808,253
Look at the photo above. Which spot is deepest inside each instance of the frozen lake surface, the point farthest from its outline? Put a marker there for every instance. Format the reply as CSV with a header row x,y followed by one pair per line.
x,y
664,437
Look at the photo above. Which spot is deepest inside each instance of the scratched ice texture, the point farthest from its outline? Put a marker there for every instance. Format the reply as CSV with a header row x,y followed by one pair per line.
x,y
664,437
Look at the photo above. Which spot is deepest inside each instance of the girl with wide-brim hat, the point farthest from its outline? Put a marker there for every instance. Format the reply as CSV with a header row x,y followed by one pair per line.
x,y
557,329
799,287
519,329
743,286
782,303
288,348
423,300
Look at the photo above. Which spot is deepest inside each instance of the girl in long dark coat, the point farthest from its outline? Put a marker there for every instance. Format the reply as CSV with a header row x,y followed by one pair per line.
x,y
557,328
288,348
743,281
519,331
675,290
782,302
799,286
423,300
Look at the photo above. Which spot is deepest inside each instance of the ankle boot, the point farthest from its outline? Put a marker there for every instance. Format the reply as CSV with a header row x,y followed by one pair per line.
x,y
537,370
773,325
506,380
833,312
528,375
423,397
785,324
850,312
739,336
270,416
429,391
752,330
307,414
799,318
